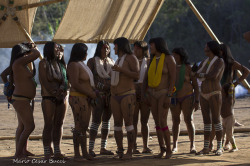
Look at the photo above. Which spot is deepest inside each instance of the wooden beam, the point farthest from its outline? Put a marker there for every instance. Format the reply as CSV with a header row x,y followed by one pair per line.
x,y
28,6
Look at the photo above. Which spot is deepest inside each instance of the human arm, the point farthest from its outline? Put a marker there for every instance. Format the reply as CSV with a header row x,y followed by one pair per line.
x,y
5,73
73,72
244,70
49,86
214,72
196,90
28,58
132,71
171,65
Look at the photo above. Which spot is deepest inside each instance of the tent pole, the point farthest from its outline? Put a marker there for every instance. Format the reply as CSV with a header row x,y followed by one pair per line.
x,y
213,36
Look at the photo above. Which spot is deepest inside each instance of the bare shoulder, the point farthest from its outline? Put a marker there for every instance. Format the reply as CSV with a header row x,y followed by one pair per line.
x,y
169,58
131,57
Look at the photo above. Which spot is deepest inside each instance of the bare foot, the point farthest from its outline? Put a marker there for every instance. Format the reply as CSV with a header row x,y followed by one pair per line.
x,y
47,156
59,156
87,156
27,153
168,155
175,150
78,158
193,150
127,156
226,147
219,152
234,150
163,150
135,151
147,150
92,153
203,151
106,152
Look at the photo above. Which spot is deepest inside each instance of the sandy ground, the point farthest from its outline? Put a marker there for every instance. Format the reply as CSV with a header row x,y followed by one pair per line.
x,y
8,123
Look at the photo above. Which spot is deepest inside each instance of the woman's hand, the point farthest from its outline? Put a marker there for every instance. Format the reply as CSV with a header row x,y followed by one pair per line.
x,y
117,68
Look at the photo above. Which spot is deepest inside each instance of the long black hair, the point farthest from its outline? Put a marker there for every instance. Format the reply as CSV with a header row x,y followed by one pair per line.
x,y
214,47
98,50
62,61
123,45
160,45
144,46
183,55
78,52
17,52
228,60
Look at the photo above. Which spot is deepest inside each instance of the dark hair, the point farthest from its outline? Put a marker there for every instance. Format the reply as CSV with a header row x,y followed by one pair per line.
x,y
17,52
160,45
144,46
78,52
100,44
183,55
48,51
214,46
228,60
123,45
62,61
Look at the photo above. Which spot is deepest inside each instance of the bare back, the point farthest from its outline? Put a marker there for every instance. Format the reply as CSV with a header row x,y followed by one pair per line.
x,y
213,77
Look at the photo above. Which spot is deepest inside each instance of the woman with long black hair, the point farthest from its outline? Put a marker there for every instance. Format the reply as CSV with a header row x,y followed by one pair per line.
x,y
185,99
159,84
22,56
100,65
54,85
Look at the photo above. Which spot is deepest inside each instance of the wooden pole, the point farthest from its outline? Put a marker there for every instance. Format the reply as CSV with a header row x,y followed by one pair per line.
x,y
28,6
213,36
21,27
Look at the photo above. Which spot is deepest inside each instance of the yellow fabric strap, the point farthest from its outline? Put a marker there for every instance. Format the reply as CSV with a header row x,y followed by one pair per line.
x,y
155,72
77,94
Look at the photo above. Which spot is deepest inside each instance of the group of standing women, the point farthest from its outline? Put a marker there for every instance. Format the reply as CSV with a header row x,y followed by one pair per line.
x,y
134,83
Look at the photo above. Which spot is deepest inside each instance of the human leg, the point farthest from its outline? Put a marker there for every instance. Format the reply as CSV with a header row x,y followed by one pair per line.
x,y
163,114
96,120
145,112
127,108
48,108
58,128
26,118
215,102
175,112
135,123
118,122
187,108
105,131
205,109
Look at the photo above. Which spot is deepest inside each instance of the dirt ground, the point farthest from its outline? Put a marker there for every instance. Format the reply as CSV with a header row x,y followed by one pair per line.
x,y
8,124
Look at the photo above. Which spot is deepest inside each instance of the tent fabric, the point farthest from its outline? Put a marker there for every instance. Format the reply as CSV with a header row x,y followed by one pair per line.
x,y
10,32
90,21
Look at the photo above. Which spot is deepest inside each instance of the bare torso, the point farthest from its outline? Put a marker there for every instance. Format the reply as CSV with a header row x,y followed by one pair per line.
x,y
187,87
23,80
79,79
126,83
212,79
